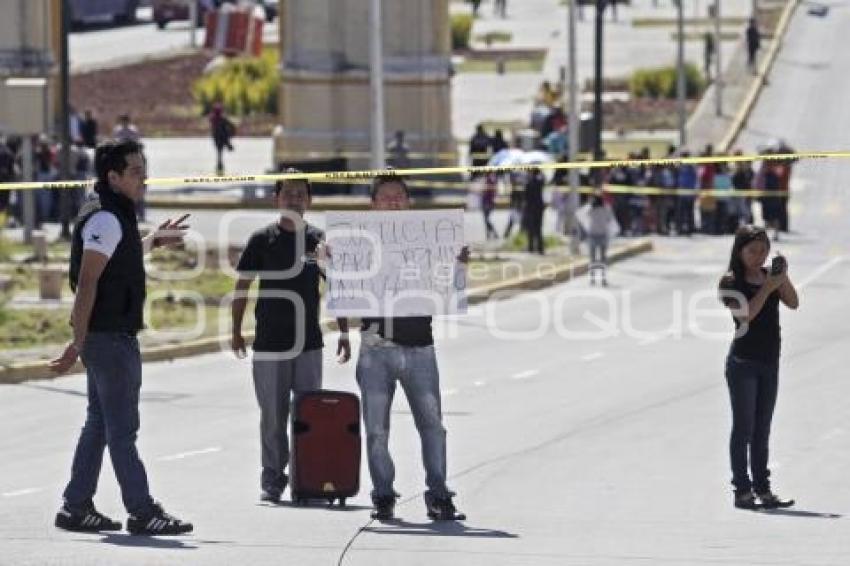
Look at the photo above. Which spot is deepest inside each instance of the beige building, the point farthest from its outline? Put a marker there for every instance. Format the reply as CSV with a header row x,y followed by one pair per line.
x,y
324,100
28,37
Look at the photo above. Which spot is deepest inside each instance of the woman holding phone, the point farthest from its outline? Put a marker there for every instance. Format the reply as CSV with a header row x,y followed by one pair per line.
x,y
753,294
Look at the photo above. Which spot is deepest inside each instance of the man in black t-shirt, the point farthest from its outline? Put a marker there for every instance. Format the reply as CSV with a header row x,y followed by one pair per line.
x,y
288,342
401,350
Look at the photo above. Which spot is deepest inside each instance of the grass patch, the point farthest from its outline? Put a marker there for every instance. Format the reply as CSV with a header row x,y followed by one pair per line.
x,y
671,22
700,36
26,329
519,242
492,37
510,66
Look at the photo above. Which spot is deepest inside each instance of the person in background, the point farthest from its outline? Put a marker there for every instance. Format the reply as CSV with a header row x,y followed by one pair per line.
x,y
742,180
533,212
488,204
398,153
125,130
601,217
222,131
88,130
753,36
480,148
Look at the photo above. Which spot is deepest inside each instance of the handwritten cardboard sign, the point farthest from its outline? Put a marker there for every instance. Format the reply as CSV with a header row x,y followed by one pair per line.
x,y
395,263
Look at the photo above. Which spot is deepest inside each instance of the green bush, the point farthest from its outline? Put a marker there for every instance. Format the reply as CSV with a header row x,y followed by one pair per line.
x,y
243,86
661,82
461,31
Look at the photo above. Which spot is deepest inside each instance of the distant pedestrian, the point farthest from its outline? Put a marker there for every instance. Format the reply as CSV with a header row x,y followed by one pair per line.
x,y
398,153
708,54
517,203
88,130
533,212
222,131
601,217
742,180
498,143
476,5
126,130
480,148
686,180
500,8
753,44
753,295
488,204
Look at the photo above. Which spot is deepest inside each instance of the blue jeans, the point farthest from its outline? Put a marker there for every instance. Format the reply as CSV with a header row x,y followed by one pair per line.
x,y
752,390
378,370
114,378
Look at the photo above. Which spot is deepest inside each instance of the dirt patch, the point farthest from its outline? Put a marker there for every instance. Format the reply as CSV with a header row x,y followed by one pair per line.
x,y
158,96
644,114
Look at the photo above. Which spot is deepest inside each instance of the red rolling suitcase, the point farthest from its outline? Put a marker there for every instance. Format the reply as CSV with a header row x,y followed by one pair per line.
x,y
325,459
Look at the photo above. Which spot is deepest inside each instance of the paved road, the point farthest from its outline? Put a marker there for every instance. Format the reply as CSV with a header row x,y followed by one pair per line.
x,y
101,47
563,449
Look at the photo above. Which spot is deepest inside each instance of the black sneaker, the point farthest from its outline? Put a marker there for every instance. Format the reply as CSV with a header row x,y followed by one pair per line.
x,y
442,509
746,500
384,508
270,496
770,501
89,521
157,523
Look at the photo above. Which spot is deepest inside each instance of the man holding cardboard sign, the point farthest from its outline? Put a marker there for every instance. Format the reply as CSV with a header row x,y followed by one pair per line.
x,y
400,279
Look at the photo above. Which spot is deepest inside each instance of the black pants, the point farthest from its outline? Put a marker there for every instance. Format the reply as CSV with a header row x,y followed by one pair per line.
x,y
534,228
752,390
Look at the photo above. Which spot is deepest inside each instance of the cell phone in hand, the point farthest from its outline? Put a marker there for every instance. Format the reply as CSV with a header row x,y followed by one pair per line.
x,y
778,265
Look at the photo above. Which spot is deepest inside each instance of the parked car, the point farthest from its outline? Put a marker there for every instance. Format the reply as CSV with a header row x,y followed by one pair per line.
x,y
91,11
165,11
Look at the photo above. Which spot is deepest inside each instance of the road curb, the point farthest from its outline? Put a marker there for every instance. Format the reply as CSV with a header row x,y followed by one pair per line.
x,y
19,373
759,83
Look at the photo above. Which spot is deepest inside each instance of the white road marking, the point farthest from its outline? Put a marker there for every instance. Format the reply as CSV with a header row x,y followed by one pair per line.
x,y
820,271
479,383
184,455
525,374
26,491
591,357
651,339
832,434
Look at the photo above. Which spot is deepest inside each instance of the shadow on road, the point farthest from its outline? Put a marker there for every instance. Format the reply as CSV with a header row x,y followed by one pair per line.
x,y
801,514
315,504
435,529
149,542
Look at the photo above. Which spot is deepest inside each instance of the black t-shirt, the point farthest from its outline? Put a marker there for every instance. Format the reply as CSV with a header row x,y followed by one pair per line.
x,y
762,340
412,331
270,252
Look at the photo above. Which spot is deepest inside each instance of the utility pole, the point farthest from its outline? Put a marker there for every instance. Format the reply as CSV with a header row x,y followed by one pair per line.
x,y
376,83
193,23
680,75
64,86
573,200
598,78
718,81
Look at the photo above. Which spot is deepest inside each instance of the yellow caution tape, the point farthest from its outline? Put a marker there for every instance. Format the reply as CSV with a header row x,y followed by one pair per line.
x,y
331,176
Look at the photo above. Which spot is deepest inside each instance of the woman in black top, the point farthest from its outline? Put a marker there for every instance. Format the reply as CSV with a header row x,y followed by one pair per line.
x,y
753,295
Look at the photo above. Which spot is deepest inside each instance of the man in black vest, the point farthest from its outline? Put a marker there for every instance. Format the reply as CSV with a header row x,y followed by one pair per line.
x,y
108,276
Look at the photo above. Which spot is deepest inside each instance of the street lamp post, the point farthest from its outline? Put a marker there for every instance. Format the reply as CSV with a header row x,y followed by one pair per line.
x,y
376,83
65,156
680,75
718,81
572,203
597,83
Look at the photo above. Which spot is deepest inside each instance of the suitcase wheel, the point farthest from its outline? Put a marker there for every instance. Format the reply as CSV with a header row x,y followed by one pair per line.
x,y
342,502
